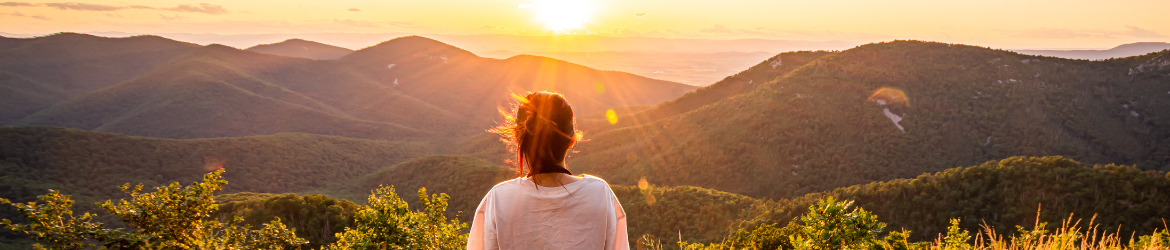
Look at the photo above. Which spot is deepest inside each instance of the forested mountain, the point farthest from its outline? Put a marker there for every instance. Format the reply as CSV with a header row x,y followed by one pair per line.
x,y
302,48
402,89
895,110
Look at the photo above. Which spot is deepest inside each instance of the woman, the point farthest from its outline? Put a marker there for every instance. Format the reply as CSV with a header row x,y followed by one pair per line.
x,y
547,207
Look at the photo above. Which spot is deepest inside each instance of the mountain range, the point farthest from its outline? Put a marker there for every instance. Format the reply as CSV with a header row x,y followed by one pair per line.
x,y
405,88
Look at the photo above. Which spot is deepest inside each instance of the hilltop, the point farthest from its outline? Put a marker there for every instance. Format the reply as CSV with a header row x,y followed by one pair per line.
x,y
302,48
819,126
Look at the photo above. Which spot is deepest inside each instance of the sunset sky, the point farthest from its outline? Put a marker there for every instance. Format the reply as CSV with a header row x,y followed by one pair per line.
x,y
995,23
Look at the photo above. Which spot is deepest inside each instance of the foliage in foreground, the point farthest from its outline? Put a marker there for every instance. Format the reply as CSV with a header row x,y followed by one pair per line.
x,y
829,224
172,217
176,217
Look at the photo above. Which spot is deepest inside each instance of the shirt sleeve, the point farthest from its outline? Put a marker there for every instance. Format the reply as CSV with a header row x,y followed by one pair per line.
x,y
477,237
621,237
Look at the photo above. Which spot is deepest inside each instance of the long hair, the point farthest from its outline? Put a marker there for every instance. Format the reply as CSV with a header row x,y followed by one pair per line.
x,y
540,130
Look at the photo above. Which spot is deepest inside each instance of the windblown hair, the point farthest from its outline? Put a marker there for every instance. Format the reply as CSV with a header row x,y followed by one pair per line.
x,y
540,130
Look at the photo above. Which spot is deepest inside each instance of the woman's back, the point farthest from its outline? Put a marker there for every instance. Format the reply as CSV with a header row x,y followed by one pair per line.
x,y
517,214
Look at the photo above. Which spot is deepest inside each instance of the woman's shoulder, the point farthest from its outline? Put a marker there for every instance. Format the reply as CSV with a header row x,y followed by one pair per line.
x,y
589,180
508,184
592,178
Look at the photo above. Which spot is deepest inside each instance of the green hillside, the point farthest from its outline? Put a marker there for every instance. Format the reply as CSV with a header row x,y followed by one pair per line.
x,y
1004,194
302,48
815,128
91,165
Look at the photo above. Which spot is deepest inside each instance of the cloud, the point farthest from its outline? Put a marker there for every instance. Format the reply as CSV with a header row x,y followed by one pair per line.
x,y
358,23
717,29
492,28
407,25
16,4
354,9
14,13
142,7
205,8
640,14
171,18
1046,33
626,32
521,6
1142,33
84,6
113,15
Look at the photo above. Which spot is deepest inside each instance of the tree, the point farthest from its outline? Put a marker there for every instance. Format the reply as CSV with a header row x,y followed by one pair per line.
x,y
388,223
172,217
830,225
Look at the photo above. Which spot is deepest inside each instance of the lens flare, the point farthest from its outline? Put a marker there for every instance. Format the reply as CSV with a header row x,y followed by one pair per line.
x,y
212,164
563,16
599,87
612,116
643,184
889,95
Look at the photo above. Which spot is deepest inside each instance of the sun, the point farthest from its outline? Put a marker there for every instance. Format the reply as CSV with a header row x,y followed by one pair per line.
x,y
563,16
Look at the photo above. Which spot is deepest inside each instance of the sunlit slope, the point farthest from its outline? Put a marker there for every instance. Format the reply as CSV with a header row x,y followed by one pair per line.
x,y
461,82
816,128
210,93
302,48
91,165
740,83
36,73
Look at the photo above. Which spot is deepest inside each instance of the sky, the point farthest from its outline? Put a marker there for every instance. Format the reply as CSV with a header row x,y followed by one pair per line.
x,y
1017,24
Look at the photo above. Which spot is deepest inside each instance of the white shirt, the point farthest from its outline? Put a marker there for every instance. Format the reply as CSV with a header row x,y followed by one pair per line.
x,y
516,214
